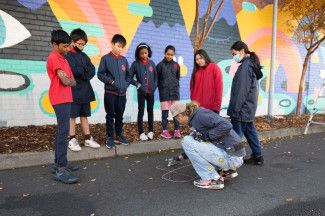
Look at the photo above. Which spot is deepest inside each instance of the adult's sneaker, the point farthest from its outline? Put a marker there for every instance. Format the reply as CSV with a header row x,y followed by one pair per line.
x,y
74,145
91,143
229,174
210,184
121,140
66,176
110,143
256,160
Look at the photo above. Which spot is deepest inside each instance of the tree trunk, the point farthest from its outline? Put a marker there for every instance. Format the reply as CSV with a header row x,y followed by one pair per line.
x,y
302,82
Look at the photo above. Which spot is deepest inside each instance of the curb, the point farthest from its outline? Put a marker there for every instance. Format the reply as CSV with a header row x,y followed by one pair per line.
x,y
27,159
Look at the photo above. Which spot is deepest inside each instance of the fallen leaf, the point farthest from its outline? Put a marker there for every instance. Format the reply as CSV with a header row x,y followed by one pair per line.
x,y
93,180
289,199
150,178
93,214
130,170
137,161
25,195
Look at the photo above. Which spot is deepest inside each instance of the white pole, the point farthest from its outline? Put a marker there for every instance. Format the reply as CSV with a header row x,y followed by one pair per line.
x,y
273,53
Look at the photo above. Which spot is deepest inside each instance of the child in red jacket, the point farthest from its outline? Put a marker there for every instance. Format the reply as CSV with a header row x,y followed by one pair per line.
x,y
206,82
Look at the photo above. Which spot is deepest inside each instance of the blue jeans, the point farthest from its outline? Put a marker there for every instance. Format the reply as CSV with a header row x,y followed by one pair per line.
x,y
248,130
62,112
164,120
205,157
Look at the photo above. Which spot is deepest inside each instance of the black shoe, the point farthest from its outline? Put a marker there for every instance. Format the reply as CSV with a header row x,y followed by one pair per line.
x,y
110,143
121,140
70,167
259,160
66,176
228,174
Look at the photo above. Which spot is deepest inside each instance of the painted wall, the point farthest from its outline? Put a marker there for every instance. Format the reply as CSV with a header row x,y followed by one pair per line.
x,y
25,27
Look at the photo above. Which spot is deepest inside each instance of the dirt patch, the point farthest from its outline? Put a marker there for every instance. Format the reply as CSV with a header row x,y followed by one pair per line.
x,y
41,138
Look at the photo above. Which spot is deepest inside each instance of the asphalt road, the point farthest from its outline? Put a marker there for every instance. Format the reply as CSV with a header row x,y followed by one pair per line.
x,y
292,182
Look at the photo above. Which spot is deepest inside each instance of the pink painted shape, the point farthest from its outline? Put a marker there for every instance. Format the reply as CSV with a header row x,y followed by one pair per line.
x,y
233,68
287,55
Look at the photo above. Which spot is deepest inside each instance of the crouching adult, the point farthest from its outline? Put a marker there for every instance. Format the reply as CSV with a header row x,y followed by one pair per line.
x,y
213,147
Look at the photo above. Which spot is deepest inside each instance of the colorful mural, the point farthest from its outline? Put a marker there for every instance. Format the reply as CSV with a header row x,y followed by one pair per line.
x,y
25,28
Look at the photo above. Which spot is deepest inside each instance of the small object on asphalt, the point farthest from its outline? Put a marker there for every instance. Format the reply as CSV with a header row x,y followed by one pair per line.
x,y
173,161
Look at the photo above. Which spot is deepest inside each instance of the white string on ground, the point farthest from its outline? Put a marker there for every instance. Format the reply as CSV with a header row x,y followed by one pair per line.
x,y
174,172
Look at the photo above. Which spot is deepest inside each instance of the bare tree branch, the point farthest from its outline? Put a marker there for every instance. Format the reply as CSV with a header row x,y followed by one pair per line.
x,y
196,32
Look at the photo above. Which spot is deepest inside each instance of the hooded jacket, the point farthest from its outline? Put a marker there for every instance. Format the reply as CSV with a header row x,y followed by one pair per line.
x,y
244,92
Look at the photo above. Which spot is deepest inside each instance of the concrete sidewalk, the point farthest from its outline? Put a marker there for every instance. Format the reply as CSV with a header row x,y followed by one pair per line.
x,y
17,160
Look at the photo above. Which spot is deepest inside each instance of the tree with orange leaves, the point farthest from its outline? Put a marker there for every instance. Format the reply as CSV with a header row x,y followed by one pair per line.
x,y
308,26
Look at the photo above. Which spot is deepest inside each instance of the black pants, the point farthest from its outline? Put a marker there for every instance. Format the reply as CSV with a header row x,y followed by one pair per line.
x,y
142,98
114,107
164,120
62,112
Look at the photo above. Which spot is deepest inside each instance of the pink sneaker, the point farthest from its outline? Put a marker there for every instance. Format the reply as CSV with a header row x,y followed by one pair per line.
x,y
177,134
166,134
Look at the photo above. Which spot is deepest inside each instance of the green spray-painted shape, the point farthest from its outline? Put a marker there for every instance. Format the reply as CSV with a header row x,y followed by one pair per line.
x,y
23,66
2,31
247,6
91,50
91,29
140,9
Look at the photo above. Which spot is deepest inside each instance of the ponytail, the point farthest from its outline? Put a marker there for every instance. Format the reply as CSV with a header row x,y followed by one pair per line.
x,y
255,59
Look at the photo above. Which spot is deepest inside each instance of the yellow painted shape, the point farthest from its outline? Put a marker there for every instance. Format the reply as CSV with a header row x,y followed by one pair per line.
x,y
93,105
58,11
249,22
128,22
72,8
315,58
188,8
46,105
183,69
221,160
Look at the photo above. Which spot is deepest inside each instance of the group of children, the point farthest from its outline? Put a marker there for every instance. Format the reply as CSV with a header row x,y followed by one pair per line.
x,y
70,71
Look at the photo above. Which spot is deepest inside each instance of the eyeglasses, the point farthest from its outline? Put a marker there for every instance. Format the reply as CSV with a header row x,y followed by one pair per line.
x,y
81,44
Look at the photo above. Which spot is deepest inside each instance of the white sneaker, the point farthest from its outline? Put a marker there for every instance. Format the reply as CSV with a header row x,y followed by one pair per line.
x,y
74,145
150,135
91,143
143,137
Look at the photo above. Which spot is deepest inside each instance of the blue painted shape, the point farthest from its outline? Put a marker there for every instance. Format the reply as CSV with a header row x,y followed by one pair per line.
x,y
96,30
140,9
247,6
32,4
2,31
227,11
91,50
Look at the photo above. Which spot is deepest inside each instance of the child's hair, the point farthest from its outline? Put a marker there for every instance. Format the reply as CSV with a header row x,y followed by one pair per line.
x,y
190,107
78,34
60,36
239,45
139,48
117,38
203,54
170,47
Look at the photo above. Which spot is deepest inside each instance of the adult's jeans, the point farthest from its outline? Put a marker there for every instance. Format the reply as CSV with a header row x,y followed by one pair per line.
x,y
248,130
205,156
62,112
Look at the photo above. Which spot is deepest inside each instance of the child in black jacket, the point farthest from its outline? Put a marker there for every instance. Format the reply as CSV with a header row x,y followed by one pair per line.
x,y
113,71
83,71
146,82
168,84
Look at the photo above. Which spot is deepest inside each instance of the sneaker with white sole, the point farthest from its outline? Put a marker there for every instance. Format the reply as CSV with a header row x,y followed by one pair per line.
x,y
150,135
91,143
143,137
229,174
210,184
74,145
